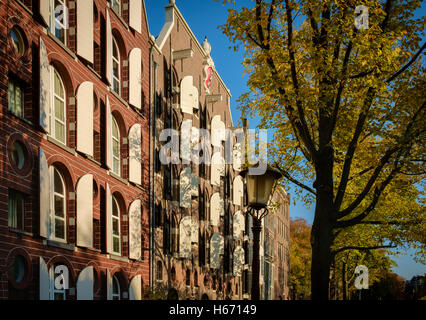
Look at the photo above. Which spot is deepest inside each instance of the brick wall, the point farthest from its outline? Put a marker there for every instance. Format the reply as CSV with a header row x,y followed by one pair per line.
x,y
72,164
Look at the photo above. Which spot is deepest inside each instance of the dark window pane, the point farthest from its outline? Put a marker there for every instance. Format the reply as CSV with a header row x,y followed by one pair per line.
x,y
58,187
59,206
116,244
59,229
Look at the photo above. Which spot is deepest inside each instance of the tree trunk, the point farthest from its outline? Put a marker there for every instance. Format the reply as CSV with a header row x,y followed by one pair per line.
x,y
320,269
321,236
344,285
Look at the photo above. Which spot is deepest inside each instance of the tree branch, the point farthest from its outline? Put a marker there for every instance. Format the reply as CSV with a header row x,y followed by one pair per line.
x,y
403,148
306,136
363,194
295,181
392,222
271,13
405,67
352,147
298,128
333,253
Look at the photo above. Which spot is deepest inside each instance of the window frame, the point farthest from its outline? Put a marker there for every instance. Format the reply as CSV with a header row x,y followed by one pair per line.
x,y
53,215
116,157
52,113
113,4
118,61
14,213
15,85
21,49
118,218
53,21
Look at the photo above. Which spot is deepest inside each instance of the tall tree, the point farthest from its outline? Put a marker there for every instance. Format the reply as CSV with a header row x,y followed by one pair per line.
x,y
300,258
347,107
390,287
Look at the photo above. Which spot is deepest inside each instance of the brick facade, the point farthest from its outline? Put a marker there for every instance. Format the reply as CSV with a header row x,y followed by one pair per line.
x,y
72,164
178,55
218,262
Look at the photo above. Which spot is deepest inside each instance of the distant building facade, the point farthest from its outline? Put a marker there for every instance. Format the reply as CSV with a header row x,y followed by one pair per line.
x,y
198,225
276,248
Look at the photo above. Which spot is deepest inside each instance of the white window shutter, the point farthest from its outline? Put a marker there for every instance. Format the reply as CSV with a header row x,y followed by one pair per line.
x,y
108,132
237,157
185,146
238,259
85,29
44,87
238,190
109,285
218,131
135,230
44,195
188,95
135,154
185,227
108,48
44,281
238,224
135,288
216,250
85,118
44,10
135,15
217,209
188,187
135,77
194,231
108,219
85,284
85,211
217,169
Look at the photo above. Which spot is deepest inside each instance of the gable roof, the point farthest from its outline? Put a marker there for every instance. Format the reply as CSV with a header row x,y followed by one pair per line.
x,y
171,10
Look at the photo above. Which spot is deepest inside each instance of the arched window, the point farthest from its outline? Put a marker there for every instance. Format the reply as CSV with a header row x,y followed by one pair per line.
x,y
58,204
116,234
115,288
116,159
116,68
58,115
59,19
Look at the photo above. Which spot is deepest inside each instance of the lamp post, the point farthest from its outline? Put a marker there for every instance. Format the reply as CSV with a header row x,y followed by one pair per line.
x,y
259,190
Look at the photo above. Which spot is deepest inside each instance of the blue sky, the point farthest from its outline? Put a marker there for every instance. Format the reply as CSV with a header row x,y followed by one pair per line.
x,y
204,17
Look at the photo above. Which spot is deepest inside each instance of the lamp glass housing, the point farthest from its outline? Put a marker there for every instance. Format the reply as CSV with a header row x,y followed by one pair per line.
x,y
259,189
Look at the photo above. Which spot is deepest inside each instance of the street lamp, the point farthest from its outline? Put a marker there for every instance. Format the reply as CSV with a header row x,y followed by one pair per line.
x,y
259,190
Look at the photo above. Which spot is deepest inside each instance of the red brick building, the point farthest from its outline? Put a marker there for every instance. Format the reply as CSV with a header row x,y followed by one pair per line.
x,y
74,148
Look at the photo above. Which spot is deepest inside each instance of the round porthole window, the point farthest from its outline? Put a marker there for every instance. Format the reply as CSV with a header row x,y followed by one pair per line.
x,y
18,155
19,267
17,40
